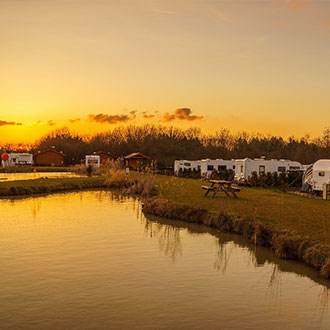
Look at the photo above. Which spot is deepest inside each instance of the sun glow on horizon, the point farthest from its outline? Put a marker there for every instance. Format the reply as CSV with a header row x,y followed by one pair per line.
x,y
252,66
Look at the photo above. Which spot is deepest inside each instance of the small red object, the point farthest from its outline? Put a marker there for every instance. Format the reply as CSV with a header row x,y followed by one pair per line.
x,y
5,156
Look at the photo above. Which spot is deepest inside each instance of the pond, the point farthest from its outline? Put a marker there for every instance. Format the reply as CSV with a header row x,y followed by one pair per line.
x,y
92,260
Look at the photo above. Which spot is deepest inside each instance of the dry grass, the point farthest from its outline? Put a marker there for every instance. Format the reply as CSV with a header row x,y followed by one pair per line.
x,y
78,169
134,183
116,179
142,184
325,270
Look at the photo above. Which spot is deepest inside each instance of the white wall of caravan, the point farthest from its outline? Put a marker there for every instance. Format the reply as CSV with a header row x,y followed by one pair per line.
x,y
93,160
321,174
209,165
18,159
185,165
245,167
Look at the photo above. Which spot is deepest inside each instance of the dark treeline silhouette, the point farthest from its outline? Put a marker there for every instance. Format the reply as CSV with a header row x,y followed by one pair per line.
x,y
165,144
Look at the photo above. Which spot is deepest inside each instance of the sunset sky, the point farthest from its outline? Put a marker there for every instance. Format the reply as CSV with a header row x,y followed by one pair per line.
x,y
91,65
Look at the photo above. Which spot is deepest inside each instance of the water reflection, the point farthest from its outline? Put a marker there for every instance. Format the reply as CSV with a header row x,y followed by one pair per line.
x,y
168,234
94,255
36,175
169,240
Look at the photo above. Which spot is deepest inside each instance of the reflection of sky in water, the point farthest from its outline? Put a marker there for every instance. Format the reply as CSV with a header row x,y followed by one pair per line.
x,y
94,259
35,175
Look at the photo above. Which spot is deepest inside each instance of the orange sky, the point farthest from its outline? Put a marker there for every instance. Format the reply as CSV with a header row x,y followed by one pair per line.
x,y
259,66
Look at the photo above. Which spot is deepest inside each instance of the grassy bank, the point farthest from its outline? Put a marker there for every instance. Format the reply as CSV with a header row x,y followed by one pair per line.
x,y
294,227
283,211
134,184
42,186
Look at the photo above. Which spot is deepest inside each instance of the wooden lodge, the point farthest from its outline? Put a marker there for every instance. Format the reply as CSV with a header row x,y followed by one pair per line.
x,y
135,160
49,157
105,156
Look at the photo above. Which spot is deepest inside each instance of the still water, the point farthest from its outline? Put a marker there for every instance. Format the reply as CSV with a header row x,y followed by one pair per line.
x,y
91,260
36,175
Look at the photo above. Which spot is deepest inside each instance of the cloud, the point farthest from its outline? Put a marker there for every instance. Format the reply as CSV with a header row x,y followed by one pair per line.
x,y
72,121
50,123
133,114
111,119
11,123
147,116
181,114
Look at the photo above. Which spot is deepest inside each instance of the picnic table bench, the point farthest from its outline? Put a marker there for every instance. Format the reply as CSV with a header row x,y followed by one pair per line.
x,y
227,187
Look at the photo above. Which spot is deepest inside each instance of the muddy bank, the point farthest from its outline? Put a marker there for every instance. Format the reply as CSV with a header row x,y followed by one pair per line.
x,y
285,245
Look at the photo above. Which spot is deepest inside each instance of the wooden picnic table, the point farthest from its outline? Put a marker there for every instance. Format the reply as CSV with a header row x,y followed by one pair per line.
x,y
221,186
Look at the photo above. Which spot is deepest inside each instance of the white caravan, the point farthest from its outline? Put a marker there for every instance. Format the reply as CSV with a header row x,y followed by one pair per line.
x,y
210,165
186,165
245,167
18,159
320,174
93,160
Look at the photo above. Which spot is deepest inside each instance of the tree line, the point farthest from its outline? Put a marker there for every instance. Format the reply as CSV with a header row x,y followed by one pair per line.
x,y
165,144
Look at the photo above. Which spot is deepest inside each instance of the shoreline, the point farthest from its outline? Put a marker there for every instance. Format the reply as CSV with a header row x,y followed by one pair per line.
x,y
284,244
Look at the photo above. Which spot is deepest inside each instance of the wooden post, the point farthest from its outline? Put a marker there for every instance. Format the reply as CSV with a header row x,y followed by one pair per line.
x,y
326,191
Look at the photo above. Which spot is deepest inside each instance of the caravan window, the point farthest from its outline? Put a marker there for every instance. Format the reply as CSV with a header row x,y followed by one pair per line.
x,y
241,168
281,169
262,169
321,173
187,164
222,167
92,161
210,167
233,167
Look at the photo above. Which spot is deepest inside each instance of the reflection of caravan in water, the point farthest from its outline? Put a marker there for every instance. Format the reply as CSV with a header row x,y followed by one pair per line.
x,y
245,167
93,160
317,175
18,159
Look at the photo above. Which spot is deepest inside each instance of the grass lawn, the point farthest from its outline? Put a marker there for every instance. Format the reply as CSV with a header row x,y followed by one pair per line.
x,y
283,211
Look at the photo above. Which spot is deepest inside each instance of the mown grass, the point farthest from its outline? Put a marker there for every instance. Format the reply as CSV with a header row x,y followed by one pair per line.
x,y
309,218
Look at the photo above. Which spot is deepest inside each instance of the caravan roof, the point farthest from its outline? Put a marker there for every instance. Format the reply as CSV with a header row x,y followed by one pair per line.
x,y
322,165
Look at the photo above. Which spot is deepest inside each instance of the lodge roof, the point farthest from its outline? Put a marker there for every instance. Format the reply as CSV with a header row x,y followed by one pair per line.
x,y
136,155
101,152
50,150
